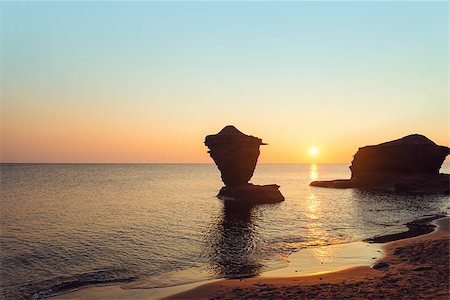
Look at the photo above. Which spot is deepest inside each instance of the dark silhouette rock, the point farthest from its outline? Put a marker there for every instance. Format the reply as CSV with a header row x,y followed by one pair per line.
x,y
252,193
412,154
409,164
236,155
380,265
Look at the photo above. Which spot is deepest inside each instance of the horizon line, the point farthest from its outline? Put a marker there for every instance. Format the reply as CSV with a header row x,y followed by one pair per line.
x,y
171,163
162,163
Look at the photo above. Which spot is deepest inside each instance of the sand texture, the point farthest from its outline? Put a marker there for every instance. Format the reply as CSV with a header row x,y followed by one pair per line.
x,y
414,268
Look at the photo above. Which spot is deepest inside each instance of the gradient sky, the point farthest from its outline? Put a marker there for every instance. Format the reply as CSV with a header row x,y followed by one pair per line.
x,y
146,81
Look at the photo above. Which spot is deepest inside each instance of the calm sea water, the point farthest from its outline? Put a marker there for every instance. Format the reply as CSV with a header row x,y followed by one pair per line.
x,y
67,226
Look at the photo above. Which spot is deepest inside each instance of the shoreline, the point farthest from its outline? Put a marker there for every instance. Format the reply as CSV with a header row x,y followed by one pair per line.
x,y
414,267
348,268
307,261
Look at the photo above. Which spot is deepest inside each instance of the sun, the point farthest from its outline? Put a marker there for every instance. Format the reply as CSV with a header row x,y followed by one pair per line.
x,y
314,151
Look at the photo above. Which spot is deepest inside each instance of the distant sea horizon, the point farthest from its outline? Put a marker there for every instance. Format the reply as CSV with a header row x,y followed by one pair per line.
x,y
175,163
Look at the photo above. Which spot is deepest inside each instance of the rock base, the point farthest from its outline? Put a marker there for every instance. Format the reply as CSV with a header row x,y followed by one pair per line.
x,y
250,193
401,183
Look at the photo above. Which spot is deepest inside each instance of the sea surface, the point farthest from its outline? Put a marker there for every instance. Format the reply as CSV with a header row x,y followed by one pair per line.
x,y
65,226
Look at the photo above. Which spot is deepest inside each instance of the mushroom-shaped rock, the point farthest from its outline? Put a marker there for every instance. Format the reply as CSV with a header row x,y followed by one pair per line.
x,y
236,155
409,164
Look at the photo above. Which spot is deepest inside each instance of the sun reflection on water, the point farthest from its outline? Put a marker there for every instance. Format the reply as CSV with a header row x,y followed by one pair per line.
x,y
323,254
314,214
312,206
313,172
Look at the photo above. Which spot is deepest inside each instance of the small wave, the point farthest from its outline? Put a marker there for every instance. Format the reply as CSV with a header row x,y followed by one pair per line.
x,y
62,285
384,224
172,278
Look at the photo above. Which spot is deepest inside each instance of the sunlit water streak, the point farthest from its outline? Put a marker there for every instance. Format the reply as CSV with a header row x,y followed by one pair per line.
x,y
66,226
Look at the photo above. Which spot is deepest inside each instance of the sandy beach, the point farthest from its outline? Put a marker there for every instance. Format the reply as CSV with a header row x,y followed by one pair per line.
x,y
411,268
416,267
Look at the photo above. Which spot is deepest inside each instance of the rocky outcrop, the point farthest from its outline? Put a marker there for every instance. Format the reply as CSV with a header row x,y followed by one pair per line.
x,y
409,164
236,155
252,193
409,155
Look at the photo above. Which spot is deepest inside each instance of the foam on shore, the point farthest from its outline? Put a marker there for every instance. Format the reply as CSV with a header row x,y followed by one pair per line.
x,y
326,264
416,267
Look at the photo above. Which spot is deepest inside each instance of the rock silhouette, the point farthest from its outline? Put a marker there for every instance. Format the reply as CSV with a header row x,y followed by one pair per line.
x,y
411,154
236,155
409,164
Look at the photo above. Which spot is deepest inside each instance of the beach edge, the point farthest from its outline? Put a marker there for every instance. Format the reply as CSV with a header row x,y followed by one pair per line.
x,y
277,286
205,289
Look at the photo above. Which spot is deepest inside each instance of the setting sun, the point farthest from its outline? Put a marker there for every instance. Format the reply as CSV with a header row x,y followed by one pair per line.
x,y
308,131
313,151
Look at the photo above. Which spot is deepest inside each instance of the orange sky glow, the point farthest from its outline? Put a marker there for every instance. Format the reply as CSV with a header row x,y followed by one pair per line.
x,y
125,87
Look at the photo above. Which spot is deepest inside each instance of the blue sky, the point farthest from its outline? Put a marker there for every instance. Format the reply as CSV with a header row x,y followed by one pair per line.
x,y
338,75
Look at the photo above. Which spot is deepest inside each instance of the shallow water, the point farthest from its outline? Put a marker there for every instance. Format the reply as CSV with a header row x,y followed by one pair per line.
x,y
66,226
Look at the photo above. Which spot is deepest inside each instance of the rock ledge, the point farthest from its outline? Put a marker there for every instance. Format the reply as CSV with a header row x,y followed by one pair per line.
x,y
408,165
252,193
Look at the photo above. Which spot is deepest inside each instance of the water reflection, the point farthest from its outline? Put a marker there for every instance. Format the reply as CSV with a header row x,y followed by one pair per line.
x,y
313,172
312,206
323,254
400,208
314,215
233,246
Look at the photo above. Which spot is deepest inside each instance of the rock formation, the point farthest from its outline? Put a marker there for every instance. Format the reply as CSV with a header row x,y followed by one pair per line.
x,y
236,154
409,164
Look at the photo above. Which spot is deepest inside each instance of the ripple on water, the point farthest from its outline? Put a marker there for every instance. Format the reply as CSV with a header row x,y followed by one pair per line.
x,y
67,226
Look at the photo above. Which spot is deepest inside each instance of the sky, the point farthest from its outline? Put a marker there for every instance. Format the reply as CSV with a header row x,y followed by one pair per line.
x,y
145,82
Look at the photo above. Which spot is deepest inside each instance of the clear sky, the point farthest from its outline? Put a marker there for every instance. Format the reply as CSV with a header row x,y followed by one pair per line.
x,y
146,81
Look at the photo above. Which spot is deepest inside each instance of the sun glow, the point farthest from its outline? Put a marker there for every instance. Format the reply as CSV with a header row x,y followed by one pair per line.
x,y
314,151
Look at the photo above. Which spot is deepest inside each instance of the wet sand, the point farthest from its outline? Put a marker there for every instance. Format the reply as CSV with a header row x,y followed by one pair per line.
x,y
307,261
412,268
416,267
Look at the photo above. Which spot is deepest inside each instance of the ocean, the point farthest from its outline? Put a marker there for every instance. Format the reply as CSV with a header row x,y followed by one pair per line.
x,y
66,226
